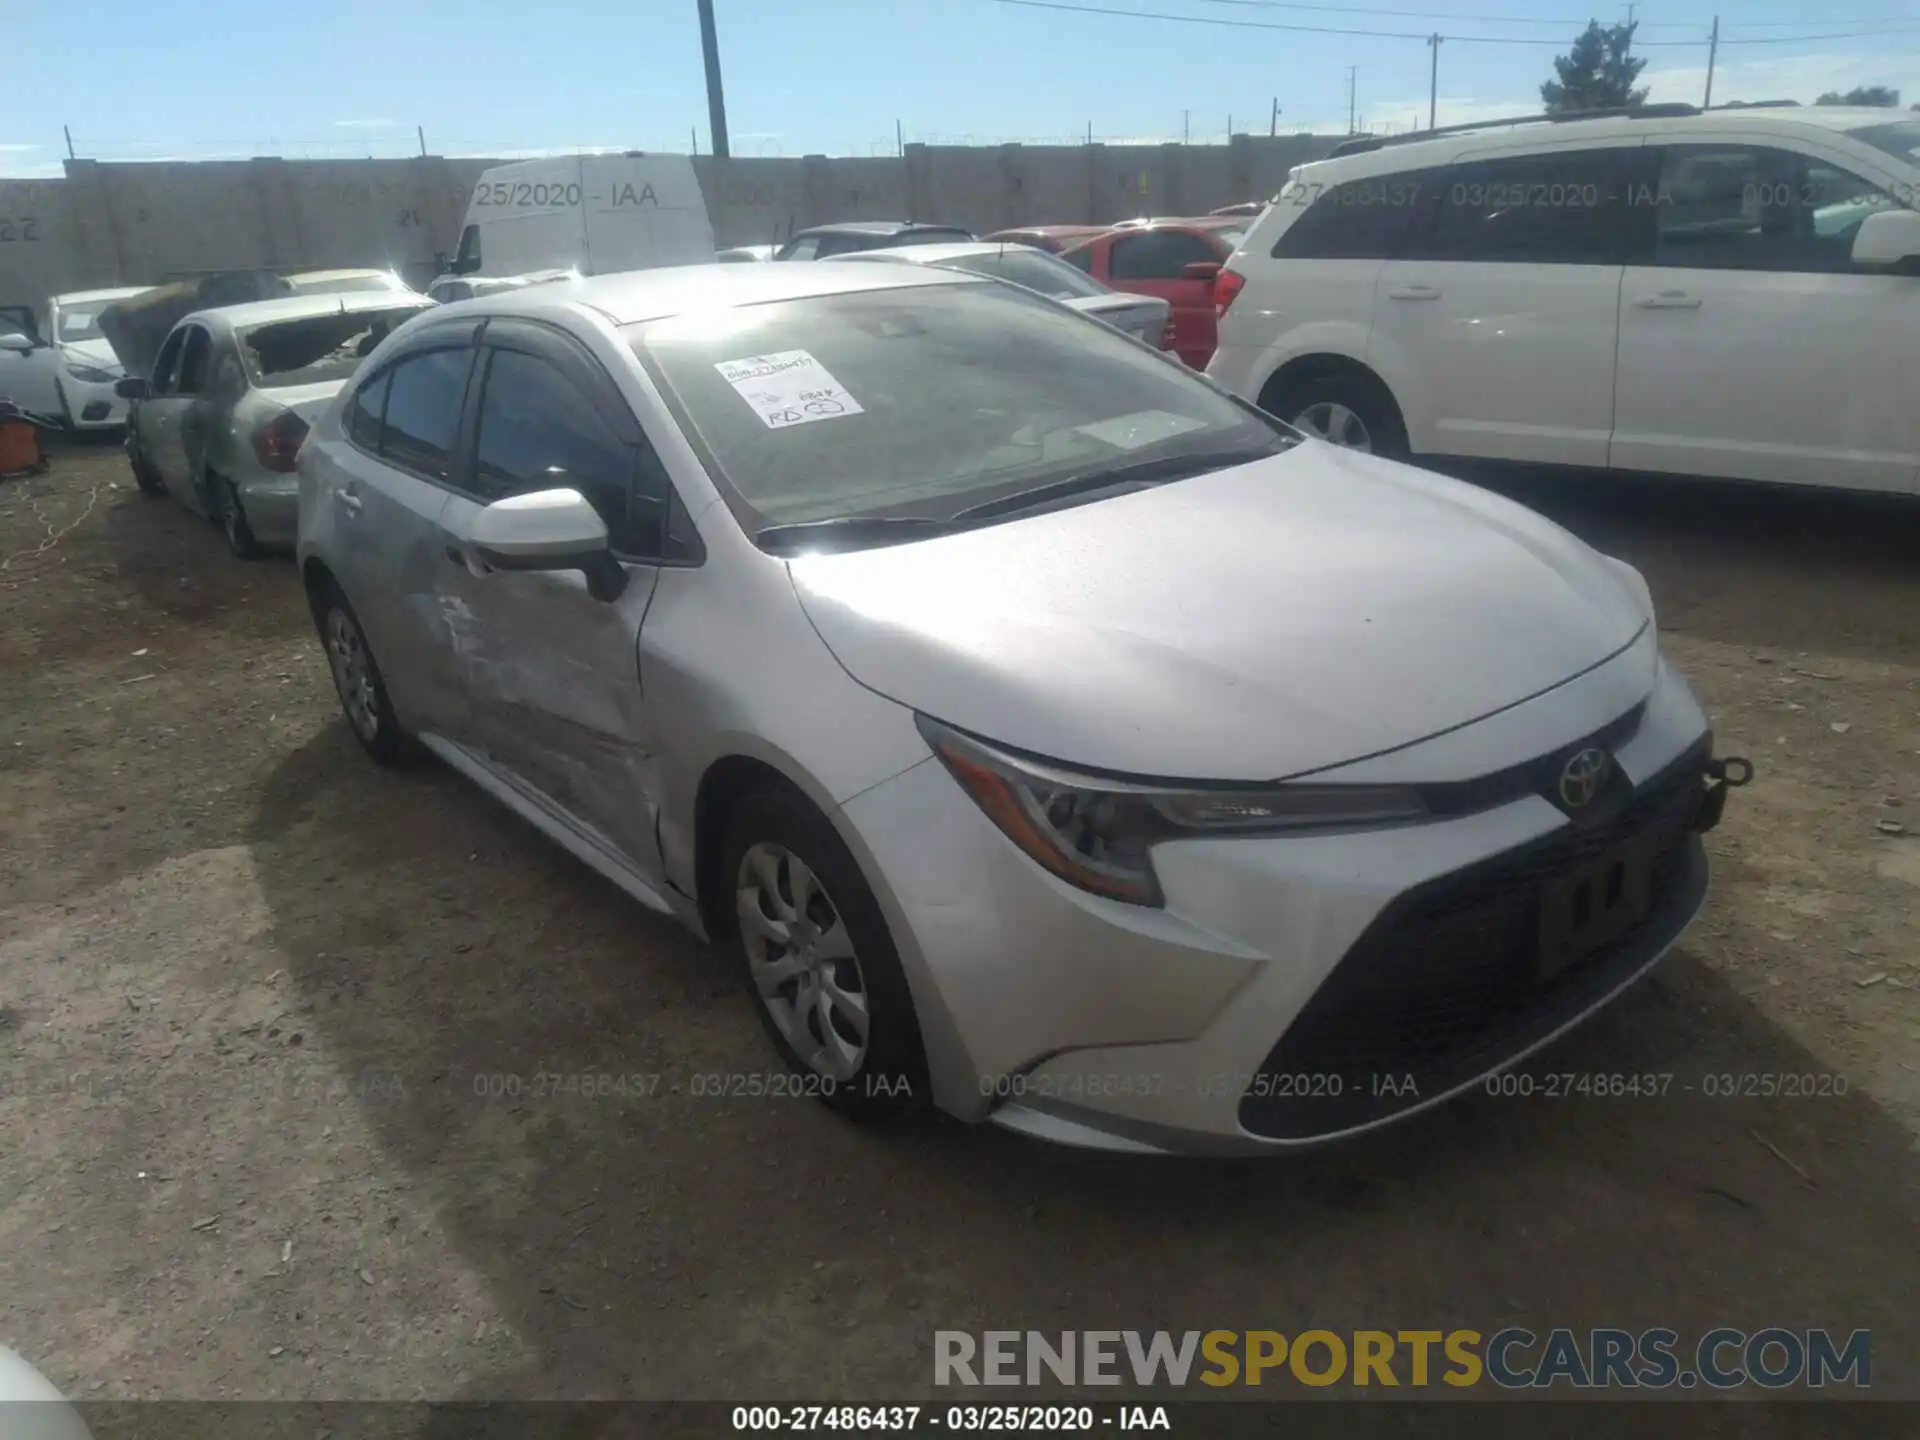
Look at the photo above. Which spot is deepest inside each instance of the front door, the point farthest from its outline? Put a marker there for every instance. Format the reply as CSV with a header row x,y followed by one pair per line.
x,y
160,416
26,375
552,674
1505,308
1154,262
1751,346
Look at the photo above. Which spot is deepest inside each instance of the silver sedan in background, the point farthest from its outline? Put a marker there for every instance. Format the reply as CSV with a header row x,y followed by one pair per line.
x,y
219,417
1142,316
1038,729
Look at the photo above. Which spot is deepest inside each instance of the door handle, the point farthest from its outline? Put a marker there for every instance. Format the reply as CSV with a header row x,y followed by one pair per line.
x,y
1414,292
350,502
1670,300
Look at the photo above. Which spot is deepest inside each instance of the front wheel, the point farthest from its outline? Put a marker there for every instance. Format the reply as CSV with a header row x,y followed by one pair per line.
x,y
357,678
814,946
145,476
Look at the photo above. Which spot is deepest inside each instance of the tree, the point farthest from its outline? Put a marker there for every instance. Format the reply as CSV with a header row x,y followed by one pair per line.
x,y
1876,95
1598,73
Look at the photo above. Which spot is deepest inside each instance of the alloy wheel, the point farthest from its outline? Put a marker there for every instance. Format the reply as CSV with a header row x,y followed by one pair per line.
x,y
802,960
352,673
1333,422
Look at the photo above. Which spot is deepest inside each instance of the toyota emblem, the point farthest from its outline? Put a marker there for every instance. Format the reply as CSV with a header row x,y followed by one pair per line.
x,y
1580,778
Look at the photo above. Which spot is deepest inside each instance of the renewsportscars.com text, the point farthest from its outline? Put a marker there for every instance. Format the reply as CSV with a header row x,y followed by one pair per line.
x,y
1512,1358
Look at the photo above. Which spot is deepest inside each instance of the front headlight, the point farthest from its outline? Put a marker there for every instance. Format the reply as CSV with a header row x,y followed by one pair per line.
x,y
1098,834
91,374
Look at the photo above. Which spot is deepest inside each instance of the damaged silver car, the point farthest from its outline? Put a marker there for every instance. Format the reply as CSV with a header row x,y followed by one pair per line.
x,y
222,403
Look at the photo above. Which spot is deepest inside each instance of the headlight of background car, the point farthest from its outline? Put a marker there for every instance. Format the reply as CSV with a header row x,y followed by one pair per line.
x,y
1097,834
91,374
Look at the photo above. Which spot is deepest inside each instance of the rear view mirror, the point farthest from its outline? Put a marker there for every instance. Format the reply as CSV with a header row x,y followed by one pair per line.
x,y
1889,238
549,530
130,387
1202,270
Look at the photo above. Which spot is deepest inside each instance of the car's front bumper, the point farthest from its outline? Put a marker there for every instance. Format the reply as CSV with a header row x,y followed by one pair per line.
x,y
1293,989
91,406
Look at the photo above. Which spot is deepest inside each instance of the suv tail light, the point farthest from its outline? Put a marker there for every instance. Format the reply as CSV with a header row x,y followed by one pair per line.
x,y
277,443
1226,286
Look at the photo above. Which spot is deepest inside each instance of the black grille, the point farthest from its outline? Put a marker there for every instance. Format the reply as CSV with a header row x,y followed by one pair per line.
x,y
1447,982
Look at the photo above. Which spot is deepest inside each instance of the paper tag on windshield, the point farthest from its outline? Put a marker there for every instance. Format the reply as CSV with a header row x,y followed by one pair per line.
x,y
788,388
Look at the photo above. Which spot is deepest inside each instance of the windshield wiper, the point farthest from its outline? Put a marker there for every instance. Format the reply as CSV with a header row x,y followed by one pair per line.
x,y
883,528
1139,472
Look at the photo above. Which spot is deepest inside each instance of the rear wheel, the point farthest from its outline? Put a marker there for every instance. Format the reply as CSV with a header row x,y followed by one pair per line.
x,y
357,678
233,518
145,476
814,946
1351,411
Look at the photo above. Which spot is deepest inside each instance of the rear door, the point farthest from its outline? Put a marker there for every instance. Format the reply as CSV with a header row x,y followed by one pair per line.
x,y
1751,345
552,673
1496,330
400,429
1154,262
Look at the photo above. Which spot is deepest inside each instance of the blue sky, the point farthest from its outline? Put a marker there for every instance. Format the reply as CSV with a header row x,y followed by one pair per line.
x,y
230,78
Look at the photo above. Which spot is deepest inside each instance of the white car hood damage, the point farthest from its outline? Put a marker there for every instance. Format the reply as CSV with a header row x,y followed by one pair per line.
x,y
1252,624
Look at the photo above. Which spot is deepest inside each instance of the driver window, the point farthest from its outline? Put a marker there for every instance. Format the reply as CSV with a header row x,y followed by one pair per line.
x,y
1750,207
194,362
167,366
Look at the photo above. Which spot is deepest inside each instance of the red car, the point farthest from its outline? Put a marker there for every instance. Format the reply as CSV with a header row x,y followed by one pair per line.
x,y
1051,238
1174,260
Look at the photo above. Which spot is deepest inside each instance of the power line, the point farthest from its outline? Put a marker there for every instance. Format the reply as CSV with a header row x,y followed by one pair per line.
x,y
1580,22
1421,36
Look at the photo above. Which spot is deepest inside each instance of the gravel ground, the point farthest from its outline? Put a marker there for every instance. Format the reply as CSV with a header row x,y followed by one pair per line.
x,y
259,1002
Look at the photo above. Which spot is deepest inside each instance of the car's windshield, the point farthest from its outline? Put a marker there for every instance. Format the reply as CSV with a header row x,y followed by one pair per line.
x,y
317,348
924,401
1901,139
80,323
1032,268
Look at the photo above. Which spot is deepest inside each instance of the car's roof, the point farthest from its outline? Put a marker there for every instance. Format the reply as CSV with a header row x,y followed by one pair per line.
x,y
1394,155
636,295
934,254
873,227
302,307
299,275
77,297
1048,230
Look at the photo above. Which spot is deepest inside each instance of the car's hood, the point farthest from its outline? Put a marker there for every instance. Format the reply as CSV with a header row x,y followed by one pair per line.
x,y
137,327
90,352
1252,624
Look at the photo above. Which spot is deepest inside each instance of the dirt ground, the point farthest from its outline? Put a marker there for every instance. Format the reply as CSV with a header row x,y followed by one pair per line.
x,y
258,999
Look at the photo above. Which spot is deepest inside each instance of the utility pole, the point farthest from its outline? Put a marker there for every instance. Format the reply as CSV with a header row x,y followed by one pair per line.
x,y
68,132
716,100
1185,116
1433,81
1353,73
421,131
899,138
1713,51
1273,124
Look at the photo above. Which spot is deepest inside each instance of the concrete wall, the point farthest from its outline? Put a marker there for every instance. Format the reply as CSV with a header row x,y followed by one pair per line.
x,y
113,223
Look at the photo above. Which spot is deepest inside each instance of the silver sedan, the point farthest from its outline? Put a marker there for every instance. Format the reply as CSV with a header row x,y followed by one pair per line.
x,y
1038,730
222,410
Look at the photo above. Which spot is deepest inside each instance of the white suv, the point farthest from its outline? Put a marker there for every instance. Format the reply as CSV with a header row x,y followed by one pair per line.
x,y
1731,293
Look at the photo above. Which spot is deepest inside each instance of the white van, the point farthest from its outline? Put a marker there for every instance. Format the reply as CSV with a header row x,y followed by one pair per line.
x,y
595,214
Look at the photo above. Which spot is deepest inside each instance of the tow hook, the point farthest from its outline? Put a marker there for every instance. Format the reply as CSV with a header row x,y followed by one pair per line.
x,y
1721,774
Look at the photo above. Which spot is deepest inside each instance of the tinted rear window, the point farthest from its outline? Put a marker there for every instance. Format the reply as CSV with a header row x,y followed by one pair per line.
x,y
1022,266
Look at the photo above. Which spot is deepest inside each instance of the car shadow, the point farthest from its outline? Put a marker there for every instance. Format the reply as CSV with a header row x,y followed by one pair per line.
x,y
1768,567
647,1239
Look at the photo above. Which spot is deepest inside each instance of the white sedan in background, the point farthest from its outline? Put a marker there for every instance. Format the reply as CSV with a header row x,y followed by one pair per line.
x,y
1142,316
56,364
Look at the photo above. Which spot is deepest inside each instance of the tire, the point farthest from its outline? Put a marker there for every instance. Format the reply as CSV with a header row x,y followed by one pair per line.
x,y
774,840
233,519
146,477
361,687
1355,406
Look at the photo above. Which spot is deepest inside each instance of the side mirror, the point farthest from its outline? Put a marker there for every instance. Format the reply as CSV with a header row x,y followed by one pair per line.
x,y
1889,238
130,387
16,342
1202,270
549,530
